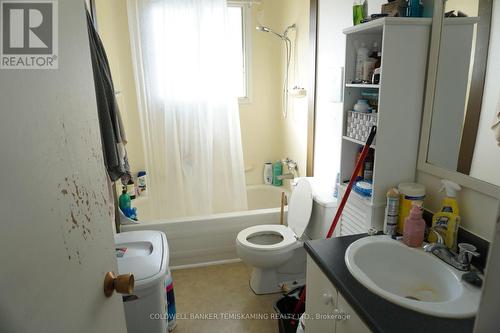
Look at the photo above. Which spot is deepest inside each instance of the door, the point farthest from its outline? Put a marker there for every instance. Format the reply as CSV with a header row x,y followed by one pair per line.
x,y
56,234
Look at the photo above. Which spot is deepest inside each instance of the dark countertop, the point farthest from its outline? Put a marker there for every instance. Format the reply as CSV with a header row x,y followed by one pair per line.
x,y
377,313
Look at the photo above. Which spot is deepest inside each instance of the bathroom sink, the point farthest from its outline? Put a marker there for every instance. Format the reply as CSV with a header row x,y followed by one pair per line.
x,y
411,278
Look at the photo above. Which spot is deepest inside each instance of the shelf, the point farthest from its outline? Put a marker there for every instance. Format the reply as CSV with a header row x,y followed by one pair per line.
x,y
377,26
359,142
365,200
362,85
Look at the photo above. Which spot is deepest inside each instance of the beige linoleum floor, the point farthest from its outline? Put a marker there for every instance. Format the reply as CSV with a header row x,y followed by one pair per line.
x,y
221,292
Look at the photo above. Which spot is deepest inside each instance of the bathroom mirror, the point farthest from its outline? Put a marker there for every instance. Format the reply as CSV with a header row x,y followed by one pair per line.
x,y
462,101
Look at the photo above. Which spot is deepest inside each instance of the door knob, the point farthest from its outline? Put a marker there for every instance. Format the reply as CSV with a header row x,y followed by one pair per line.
x,y
123,284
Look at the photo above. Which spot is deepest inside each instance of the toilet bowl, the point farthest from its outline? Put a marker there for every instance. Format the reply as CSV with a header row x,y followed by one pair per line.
x,y
276,251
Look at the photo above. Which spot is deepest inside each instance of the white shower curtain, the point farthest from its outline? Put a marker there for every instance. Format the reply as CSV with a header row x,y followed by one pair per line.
x,y
188,106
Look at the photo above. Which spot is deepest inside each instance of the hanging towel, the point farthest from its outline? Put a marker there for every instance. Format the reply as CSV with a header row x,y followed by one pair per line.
x,y
112,133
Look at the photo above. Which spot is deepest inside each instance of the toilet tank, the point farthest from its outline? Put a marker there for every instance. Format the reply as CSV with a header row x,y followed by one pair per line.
x,y
323,212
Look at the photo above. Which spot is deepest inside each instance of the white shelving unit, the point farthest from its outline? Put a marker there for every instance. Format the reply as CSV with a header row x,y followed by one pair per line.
x,y
404,43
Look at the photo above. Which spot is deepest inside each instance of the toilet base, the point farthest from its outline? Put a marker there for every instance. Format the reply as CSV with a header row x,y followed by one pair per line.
x,y
271,280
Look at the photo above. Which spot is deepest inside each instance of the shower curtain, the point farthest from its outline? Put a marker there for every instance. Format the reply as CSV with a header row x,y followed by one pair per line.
x,y
188,106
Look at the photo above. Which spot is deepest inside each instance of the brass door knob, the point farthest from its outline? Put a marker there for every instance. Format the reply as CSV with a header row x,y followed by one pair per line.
x,y
123,284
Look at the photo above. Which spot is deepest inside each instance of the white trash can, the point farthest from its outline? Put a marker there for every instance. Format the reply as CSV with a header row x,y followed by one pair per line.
x,y
144,254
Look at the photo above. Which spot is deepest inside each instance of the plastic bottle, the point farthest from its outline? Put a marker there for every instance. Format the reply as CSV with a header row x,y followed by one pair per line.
x,y
124,201
361,56
358,12
337,185
449,203
141,181
414,228
414,8
277,171
448,218
368,166
391,212
409,194
125,204
268,173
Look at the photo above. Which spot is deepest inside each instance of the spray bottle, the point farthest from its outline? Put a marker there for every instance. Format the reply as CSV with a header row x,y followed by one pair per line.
x,y
448,219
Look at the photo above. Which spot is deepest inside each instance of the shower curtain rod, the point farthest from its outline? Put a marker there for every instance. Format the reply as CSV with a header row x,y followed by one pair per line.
x,y
243,2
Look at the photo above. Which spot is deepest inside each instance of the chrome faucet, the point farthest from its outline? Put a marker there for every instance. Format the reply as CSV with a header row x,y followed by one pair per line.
x,y
439,243
460,261
286,176
292,168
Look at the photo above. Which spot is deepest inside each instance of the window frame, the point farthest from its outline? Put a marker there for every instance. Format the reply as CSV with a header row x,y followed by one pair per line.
x,y
247,48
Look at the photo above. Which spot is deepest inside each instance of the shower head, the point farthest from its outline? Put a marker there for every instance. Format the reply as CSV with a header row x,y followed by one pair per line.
x,y
283,36
262,28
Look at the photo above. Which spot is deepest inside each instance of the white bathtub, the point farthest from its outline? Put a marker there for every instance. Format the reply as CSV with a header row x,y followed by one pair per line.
x,y
210,239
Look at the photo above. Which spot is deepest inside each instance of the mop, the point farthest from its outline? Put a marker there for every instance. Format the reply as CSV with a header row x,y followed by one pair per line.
x,y
359,164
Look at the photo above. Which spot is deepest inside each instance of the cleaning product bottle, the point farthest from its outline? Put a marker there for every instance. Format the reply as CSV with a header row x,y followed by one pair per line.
x,y
414,228
409,194
391,212
277,171
447,219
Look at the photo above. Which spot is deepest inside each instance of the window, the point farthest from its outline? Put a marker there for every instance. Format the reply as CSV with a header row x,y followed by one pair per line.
x,y
239,21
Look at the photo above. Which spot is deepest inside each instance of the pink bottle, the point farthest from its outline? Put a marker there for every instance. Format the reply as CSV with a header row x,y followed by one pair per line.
x,y
414,228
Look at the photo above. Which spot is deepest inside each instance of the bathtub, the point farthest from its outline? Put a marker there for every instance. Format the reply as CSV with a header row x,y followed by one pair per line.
x,y
204,240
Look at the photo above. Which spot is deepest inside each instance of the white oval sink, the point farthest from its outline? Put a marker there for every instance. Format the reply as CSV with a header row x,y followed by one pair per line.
x,y
411,278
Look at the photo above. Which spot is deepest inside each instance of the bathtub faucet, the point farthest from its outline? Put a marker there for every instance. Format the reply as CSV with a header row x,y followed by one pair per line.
x,y
286,176
292,168
291,164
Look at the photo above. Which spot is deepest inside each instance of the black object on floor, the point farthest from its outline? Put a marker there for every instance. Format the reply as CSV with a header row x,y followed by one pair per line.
x,y
284,307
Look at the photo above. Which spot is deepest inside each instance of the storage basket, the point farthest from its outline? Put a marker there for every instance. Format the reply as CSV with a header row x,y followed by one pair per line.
x,y
359,124
394,8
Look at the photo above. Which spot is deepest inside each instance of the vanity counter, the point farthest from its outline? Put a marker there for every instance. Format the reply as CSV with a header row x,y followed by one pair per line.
x,y
377,313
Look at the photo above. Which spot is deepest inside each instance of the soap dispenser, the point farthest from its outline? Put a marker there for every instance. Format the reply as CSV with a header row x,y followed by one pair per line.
x,y
414,228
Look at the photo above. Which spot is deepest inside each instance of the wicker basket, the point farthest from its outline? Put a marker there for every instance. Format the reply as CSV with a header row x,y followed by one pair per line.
x,y
394,8
360,124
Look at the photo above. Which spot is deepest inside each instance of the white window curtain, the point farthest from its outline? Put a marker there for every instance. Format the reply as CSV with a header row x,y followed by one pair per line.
x,y
188,106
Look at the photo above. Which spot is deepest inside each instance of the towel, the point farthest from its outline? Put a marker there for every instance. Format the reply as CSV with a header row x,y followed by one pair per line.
x,y
110,122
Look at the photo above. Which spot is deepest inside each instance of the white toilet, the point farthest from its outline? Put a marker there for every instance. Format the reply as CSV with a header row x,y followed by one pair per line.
x,y
276,251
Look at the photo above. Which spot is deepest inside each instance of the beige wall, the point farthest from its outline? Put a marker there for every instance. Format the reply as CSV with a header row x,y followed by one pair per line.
x,y
266,136
112,24
261,122
295,125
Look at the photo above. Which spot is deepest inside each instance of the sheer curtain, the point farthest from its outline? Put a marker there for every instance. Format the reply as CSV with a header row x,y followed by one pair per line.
x,y
188,106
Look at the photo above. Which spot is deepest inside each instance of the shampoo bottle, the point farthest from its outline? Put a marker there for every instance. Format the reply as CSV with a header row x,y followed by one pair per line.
x,y
414,228
448,218
277,171
268,173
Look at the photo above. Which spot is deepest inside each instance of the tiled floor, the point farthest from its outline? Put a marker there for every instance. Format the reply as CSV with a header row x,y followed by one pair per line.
x,y
221,292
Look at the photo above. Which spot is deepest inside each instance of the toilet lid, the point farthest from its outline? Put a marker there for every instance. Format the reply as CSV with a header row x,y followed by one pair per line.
x,y
300,207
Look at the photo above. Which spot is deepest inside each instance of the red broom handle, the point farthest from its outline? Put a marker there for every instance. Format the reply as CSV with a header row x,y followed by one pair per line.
x,y
359,164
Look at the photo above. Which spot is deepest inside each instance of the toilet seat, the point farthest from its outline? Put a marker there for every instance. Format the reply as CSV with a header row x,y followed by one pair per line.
x,y
289,237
